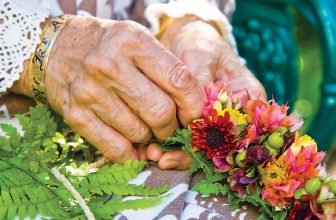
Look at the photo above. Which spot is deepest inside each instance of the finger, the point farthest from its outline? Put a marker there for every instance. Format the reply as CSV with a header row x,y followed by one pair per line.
x,y
245,83
153,152
142,152
108,141
101,161
178,160
114,112
152,104
170,74
201,70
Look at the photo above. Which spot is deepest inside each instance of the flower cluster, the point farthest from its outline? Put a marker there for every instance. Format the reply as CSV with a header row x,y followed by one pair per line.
x,y
257,145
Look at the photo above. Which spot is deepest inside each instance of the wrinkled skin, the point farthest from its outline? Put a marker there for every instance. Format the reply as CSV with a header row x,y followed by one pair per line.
x,y
210,59
118,86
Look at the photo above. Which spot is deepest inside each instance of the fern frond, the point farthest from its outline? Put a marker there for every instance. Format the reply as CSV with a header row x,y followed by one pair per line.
x,y
28,188
106,210
127,189
113,179
112,174
23,194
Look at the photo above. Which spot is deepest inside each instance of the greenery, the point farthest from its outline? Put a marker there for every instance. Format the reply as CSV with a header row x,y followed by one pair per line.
x,y
216,183
182,140
28,188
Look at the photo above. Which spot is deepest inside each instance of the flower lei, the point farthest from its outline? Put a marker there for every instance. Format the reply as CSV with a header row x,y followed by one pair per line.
x,y
257,148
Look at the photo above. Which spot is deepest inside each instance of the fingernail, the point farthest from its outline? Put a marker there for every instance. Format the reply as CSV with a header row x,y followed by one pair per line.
x,y
154,153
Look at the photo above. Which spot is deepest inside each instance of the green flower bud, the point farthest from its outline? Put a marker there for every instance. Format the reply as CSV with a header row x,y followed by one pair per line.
x,y
300,192
332,186
239,157
313,185
275,140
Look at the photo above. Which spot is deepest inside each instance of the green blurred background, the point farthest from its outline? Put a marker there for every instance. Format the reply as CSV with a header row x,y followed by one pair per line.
x,y
290,45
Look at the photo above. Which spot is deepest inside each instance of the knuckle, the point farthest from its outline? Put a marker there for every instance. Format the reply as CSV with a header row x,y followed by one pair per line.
x,y
162,114
132,35
180,78
130,28
139,133
107,65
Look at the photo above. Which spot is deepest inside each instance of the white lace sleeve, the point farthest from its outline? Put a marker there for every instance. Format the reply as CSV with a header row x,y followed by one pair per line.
x,y
19,34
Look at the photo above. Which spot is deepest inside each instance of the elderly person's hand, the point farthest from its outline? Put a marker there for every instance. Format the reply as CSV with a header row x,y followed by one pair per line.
x,y
210,59
116,85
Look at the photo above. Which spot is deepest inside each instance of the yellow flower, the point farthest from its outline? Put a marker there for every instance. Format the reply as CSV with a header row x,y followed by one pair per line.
x,y
236,116
300,142
217,105
306,141
276,172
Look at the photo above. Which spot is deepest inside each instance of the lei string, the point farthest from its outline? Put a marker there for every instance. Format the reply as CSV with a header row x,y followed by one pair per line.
x,y
255,146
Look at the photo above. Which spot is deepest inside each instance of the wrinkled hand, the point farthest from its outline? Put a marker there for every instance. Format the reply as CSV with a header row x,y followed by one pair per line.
x,y
116,85
210,59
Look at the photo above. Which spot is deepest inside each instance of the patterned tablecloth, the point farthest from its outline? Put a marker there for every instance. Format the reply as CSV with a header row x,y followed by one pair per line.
x,y
183,203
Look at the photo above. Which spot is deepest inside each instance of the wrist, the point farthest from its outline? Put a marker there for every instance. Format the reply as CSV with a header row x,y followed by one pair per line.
x,y
21,86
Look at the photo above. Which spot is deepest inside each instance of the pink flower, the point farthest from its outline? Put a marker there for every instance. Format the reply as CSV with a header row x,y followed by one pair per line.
x,y
266,117
212,92
304,164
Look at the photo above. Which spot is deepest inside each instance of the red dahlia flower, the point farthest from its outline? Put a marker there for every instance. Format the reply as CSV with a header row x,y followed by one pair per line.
x,y
215,135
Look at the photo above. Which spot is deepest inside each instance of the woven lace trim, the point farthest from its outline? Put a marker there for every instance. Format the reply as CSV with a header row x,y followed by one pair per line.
x,y
19,34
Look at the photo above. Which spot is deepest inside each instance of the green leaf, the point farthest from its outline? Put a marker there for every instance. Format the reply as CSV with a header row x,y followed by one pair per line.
x,y
182,139
210,185
175,142
105,210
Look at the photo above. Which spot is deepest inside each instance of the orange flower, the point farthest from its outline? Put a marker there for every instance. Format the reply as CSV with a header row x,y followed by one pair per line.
x,y
278,184
282,177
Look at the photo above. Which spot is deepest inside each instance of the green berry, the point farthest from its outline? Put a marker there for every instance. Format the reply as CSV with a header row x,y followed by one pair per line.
x,y
239,157
271,151
300,192
313,185
275,140
282,130
332,186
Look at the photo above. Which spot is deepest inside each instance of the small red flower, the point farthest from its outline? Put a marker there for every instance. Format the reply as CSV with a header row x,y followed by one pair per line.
x,y
215,135
257,155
